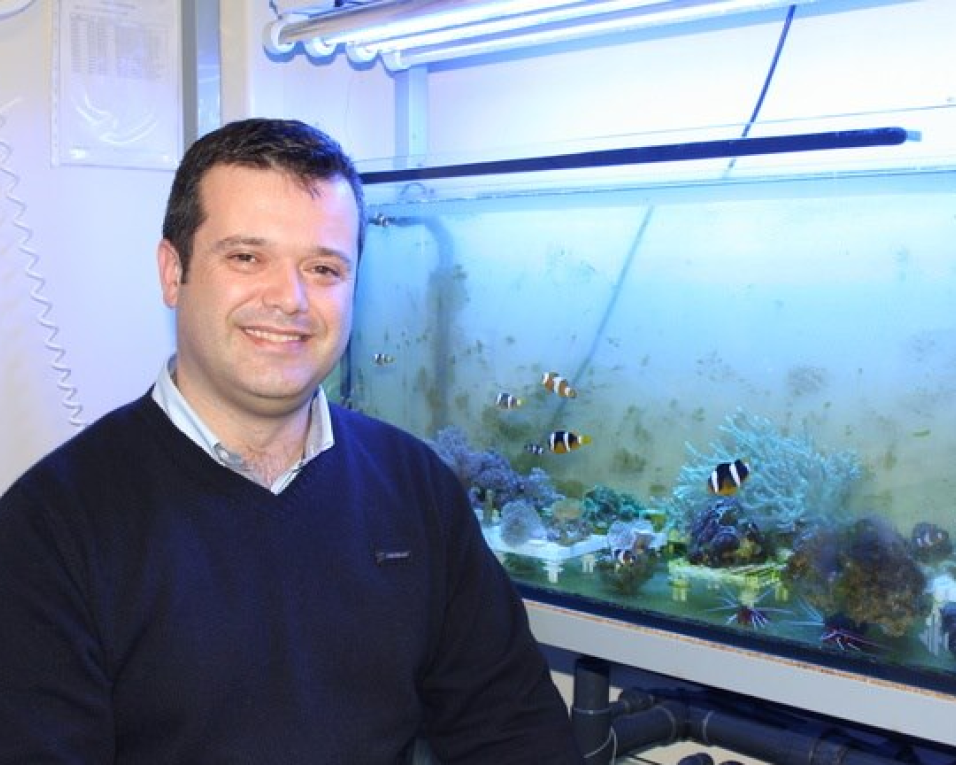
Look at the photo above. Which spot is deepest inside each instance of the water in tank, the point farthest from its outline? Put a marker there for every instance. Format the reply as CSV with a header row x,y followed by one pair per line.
x,y
697,380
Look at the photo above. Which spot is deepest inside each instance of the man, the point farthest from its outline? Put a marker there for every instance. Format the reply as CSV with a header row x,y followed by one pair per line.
x,y
232,570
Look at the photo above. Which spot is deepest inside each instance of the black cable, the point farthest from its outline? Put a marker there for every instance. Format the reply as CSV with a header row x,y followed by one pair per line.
x,y
768,78
770,72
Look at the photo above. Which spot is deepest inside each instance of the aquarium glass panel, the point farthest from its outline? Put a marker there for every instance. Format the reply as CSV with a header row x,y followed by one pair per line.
x,y
718,398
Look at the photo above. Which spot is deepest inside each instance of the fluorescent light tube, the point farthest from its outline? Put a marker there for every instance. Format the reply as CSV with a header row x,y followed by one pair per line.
x,y
414,32
400,56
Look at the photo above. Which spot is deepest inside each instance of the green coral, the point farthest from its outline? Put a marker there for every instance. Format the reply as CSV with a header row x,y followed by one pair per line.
x,y
602,506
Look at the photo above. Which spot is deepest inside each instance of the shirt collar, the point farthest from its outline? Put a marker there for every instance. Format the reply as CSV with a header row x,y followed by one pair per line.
x,y
183,416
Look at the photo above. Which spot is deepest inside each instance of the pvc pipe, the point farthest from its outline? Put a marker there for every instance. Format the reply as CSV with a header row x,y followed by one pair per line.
x,y
591,710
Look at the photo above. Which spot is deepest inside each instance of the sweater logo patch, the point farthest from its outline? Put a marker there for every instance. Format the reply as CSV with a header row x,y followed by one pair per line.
x,y
385,557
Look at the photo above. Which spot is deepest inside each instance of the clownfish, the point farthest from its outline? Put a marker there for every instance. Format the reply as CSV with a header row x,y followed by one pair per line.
x,y
927,535
534,448
564,441
507,401
728,477
383,359
623,556
558,385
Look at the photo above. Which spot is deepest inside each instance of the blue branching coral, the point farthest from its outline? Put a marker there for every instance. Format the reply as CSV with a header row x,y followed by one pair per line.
x,y
791,484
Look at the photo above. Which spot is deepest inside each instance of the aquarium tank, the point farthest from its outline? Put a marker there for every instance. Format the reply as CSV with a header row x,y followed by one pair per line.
x,y
703,380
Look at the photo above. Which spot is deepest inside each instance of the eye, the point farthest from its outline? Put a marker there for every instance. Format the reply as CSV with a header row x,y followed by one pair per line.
x,y
327,272
323,269
244,261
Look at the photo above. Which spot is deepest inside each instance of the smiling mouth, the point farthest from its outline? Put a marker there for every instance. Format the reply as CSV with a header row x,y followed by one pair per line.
x,y
275,337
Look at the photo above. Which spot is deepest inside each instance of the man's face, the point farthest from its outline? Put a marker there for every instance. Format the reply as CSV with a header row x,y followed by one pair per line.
x,y
266,308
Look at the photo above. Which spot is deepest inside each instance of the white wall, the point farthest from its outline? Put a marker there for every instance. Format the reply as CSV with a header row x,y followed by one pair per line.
x,y
90,234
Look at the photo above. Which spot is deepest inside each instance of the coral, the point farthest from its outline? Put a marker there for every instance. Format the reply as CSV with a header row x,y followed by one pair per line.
x,y
565,523
603,505
863,571
568,531
489,477
624,572
791,485
492,474
539,490
452,446
723,535
634,536
521,523
631,557
567,510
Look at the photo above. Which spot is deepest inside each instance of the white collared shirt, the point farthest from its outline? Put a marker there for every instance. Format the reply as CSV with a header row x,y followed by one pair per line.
x,y
184,417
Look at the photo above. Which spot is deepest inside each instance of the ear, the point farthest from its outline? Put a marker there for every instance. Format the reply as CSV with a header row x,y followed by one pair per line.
x,y
170,272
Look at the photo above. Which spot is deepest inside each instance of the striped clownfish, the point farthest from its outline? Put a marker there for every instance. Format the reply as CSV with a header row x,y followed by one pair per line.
x,y
507,401
564,441
728,477
558,385
533,448
623,556
383,359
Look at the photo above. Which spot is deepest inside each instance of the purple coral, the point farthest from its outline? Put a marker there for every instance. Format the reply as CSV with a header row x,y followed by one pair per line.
x,y
539,490
489,477
723,535
521,523
452,446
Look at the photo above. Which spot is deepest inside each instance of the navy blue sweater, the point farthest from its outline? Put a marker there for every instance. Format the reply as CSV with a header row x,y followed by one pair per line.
x,y
156,607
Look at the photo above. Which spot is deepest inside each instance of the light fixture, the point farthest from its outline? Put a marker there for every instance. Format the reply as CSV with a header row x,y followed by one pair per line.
x,y
688,151
406,33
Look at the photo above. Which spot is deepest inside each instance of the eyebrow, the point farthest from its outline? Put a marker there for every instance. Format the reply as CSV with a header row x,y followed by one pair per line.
x,y
239,241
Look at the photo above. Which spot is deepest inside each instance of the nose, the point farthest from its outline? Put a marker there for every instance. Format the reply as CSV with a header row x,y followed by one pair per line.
x,y
286,290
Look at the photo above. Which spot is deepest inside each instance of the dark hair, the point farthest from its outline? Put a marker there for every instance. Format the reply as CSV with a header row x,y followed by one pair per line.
x,y
304,152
